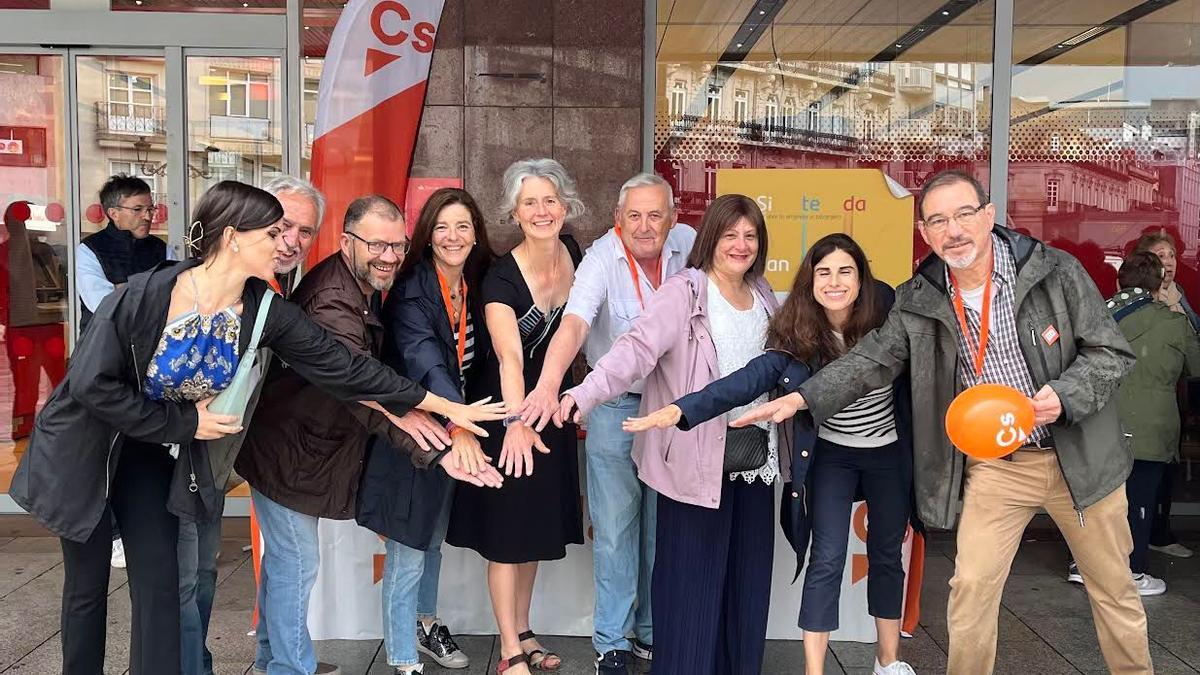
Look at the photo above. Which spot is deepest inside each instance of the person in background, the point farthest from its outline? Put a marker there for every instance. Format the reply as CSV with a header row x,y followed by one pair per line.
x,y
714,539
834,301
106,259
1171,294
1050,337
1166,348
302,467
621,270
125,434
537,513
435,334
200,541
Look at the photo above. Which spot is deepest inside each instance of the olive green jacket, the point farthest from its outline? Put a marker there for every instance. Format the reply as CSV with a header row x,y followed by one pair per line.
x,y
1166,347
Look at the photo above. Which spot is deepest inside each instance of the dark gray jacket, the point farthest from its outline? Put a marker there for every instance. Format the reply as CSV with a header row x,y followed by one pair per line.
x,y
1084,367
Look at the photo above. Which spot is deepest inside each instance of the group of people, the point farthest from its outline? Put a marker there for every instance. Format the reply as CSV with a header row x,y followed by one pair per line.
x,y
424,414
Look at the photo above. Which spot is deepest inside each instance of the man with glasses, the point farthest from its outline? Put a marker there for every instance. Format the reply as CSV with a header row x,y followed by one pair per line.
x,y
992,305
106,259
304,451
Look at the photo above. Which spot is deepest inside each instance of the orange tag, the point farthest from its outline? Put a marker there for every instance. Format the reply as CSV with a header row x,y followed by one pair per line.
x,y
1050,335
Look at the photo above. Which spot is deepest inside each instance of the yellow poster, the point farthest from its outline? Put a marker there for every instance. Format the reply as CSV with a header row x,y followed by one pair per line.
x,y
803,205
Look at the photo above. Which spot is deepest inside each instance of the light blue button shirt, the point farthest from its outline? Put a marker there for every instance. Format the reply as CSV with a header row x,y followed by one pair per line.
x,y
603,294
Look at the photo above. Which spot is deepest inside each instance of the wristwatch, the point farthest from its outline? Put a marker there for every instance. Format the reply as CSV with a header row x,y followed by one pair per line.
x,y
511,419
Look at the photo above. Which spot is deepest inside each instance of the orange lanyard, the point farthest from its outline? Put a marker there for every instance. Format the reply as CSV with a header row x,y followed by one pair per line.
x,y
462,316
985,320
633,272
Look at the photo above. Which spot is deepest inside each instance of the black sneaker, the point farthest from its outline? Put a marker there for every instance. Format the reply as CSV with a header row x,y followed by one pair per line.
x,y
439,645
1073,574
611,663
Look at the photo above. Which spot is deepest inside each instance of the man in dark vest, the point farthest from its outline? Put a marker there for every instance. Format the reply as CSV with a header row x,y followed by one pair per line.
x,y
106,259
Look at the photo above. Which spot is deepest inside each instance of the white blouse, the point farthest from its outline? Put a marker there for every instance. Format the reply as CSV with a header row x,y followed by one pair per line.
x,y
739,337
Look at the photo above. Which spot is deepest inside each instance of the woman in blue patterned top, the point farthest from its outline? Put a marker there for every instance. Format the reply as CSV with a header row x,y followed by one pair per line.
x,y
136,398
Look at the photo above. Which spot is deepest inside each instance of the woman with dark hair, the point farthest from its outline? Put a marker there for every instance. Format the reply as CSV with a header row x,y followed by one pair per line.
x,y
714,540
435,335
1167,349
833,303
124,433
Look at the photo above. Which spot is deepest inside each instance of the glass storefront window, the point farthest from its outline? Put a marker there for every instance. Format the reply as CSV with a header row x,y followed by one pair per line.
x,y
34,238
234,121
122,129
896,85
226,6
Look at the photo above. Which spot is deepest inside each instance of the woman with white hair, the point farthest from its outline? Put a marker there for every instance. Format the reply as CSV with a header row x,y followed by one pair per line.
x,y
536,513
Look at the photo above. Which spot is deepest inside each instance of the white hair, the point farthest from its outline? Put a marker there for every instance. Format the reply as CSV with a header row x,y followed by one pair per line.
x,y
646,179
284,183
564,185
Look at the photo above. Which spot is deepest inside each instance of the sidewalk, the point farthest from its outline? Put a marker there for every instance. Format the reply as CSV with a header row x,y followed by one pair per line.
x,y
1045,625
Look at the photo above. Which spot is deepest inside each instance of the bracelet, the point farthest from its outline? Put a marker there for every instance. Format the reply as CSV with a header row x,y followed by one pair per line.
x,y
451,427
511,419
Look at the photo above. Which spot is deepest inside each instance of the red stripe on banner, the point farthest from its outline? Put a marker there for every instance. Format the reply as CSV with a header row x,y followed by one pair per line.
x,y
371,153
916,576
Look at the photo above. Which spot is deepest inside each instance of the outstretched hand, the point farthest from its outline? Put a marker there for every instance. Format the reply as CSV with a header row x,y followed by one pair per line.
x,y
777,411
662,418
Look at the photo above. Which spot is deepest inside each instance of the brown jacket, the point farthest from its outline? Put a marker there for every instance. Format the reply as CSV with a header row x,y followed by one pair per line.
x,y
304,449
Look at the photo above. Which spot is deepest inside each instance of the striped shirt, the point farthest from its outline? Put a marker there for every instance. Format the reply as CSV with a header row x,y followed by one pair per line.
x,y
869,422
1003,363
468,353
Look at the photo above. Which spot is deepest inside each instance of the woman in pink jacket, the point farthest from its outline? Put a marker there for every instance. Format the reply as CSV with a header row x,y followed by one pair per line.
x,y
715,534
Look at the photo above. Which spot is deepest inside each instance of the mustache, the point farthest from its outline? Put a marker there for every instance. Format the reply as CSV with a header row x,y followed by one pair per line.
x,y
955,242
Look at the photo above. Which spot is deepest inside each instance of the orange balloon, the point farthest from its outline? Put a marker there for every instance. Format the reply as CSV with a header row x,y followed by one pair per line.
x,y
989,420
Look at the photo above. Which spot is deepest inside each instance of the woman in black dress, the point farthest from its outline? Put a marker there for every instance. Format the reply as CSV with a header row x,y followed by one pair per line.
x,y
537,513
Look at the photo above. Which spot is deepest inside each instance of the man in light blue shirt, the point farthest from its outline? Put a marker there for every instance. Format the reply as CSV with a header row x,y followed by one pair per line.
x,y
621,270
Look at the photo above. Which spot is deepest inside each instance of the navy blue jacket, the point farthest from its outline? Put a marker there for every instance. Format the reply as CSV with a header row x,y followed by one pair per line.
x,y
395,499
780,373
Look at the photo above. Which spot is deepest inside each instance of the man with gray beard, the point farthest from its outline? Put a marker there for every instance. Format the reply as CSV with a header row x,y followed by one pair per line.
x,y
302,467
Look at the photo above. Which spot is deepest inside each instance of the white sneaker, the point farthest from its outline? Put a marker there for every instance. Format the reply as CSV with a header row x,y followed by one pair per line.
x,y
1177,549
894,668
118,554
1148,585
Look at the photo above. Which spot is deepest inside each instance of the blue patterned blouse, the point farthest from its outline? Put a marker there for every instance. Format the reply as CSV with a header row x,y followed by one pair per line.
x,y
196,357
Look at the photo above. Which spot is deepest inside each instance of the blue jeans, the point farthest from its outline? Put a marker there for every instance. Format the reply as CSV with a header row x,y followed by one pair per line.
x,y
286,578
199,542
410,590
623,523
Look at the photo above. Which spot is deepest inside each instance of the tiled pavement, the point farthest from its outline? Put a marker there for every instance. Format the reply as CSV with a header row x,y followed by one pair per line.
x,y
1045,624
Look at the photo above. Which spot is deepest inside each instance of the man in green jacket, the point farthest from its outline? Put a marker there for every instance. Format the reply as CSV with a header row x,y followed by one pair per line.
x,y
1048,335
1166,347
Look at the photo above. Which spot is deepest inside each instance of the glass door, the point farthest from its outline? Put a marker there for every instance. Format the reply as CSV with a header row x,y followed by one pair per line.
x,y
35,236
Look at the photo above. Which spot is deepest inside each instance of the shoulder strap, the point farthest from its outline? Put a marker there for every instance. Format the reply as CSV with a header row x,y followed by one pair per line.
x,y
260,320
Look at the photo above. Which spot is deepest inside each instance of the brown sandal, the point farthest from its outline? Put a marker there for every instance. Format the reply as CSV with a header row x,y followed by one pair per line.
x,y
538,657
505,664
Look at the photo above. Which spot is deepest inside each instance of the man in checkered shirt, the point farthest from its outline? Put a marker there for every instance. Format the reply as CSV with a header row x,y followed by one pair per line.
x,y
1051,337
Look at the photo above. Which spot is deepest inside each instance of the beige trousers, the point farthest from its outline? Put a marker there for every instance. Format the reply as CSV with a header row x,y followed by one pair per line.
x,y
1000,499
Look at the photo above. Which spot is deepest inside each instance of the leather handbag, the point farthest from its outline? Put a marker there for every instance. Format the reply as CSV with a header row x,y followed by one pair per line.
x,y
253,365
745,449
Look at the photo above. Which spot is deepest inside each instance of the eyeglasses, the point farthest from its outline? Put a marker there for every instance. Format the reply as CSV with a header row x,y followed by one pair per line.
x,y
965,214
378,247
138,210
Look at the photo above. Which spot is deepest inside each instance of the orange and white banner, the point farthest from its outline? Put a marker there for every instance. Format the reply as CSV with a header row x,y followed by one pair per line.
x,y
369,105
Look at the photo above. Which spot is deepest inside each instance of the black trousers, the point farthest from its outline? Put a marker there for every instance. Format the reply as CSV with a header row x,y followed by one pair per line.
x,y
837,471
711,586
138,501
1141,489
1162,534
